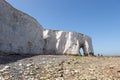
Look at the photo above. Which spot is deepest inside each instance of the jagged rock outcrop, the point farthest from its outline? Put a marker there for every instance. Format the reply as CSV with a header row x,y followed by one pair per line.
x,y
20,33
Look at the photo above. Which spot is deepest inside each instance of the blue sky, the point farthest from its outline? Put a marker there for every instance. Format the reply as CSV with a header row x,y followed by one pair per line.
x,y
99,19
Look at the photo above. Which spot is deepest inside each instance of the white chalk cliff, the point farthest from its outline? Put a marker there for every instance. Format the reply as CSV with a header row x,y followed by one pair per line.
x,y
21,33
61,42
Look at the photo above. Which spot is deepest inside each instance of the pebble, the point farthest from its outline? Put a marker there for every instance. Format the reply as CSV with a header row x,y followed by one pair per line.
x,y
5,68
28,65
20,64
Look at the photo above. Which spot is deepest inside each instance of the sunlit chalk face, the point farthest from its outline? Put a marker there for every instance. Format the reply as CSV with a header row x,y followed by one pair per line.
x,y
68,43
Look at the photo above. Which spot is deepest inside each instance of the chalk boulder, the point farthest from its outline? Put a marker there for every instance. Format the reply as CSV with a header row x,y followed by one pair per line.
x,y
21,33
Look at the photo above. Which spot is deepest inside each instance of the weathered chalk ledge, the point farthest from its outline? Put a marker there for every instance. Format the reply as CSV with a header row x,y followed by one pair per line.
x,y
21,33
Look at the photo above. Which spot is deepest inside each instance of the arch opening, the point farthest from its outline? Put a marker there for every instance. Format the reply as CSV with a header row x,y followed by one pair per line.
x,y
81,51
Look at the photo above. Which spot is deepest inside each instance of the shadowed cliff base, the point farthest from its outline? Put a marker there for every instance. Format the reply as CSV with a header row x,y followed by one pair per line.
x,y
6,58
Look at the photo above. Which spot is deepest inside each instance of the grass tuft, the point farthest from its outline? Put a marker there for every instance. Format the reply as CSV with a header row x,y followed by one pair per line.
x,y
78,57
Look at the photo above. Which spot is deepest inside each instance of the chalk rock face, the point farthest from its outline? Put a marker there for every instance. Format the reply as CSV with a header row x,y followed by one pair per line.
x,y
61,42
19,32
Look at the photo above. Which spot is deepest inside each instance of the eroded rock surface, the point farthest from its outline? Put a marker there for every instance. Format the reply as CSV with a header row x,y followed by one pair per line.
x,y
69,43
21,33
